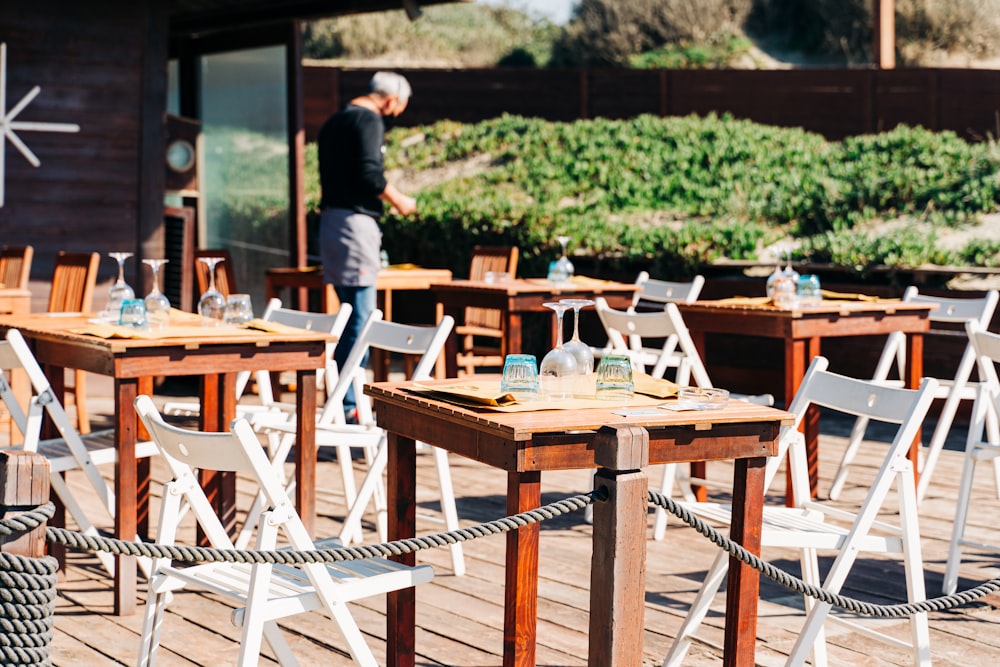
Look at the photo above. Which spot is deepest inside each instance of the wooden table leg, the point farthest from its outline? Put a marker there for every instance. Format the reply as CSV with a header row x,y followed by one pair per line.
x,y
305,451
126,426
514,333
142,470
914,373
524,492
743,585
799,354
699,468
400,617
451,343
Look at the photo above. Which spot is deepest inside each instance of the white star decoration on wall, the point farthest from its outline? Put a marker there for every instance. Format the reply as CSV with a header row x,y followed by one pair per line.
x,y
8,125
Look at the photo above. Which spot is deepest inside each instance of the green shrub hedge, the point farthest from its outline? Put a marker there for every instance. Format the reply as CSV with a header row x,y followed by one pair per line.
x,y
672,194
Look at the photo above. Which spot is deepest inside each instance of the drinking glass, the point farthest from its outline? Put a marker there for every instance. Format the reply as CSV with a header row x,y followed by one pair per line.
x,y
580,350
520,376
614,377
157,303
133,313
809,290
561,270
212,305
121,290
788,271
238,309
558,365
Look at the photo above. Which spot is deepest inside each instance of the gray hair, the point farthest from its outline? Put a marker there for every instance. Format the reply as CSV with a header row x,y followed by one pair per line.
x,y
387,84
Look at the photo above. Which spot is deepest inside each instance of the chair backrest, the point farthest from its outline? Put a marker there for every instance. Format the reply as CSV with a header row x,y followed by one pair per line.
x,y
409,339
16,355
493,258
986,346
74,278
333,324
237,450
949,311
225,274
498,259
628,330
869,399
654,293
15,266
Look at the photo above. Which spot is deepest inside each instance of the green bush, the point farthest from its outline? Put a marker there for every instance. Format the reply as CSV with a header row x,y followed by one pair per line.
x,y
672,194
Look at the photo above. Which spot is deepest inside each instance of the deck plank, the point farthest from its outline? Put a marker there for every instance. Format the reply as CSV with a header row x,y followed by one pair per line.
x,y
460,618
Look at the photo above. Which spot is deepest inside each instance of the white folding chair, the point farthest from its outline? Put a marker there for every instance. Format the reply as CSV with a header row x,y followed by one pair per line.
x,y
332,431
653,293
334,324
266,592
629,333
977,448
71,451
811,526
950,312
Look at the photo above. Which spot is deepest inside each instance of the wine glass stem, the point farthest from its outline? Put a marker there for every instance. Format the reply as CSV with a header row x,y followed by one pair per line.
x,y
121,271
576,324
559,329
211,278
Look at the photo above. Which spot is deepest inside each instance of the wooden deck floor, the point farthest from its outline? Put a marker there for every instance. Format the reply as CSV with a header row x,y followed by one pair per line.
x,y
460,618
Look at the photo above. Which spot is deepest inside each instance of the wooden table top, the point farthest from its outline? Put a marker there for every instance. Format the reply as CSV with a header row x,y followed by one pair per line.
x,y
75,326
535,286
822,308
558,439
400,277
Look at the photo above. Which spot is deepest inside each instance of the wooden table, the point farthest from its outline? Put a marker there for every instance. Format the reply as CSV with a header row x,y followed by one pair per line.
x,y
515,298
802,329
390,280
524,445
14,301
133,363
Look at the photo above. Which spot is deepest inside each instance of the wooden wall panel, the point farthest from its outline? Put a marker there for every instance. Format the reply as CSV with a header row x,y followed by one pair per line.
x,y
86,58
833,102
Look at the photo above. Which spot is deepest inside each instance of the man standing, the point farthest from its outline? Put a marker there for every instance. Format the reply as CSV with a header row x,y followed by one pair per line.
x,y
351,146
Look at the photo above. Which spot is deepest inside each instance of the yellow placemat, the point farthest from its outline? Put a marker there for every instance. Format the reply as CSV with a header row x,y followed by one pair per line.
x,y
108,331
467,394
847,296
406,266
587,280
272,327
747,300
486,394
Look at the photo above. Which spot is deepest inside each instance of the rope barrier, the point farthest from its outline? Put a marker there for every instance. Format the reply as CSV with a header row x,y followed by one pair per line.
x,y
798,585
27,597
27,586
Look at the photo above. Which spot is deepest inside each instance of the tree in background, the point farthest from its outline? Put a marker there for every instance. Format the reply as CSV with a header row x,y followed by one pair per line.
x,y
926,30
610,32
461,35
659,33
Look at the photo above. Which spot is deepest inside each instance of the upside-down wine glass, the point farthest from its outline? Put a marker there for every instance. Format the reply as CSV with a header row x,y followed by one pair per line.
x,y
558,366
157,303
212,305
561,270
121,290
581,351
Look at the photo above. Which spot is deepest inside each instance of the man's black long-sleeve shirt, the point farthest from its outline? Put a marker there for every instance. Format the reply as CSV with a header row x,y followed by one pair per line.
x,y
351,146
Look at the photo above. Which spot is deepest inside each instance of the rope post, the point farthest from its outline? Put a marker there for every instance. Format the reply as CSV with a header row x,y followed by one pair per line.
x,y
24,485
618,564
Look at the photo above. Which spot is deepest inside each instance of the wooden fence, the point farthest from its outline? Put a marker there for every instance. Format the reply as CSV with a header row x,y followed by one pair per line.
x,y
833,102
